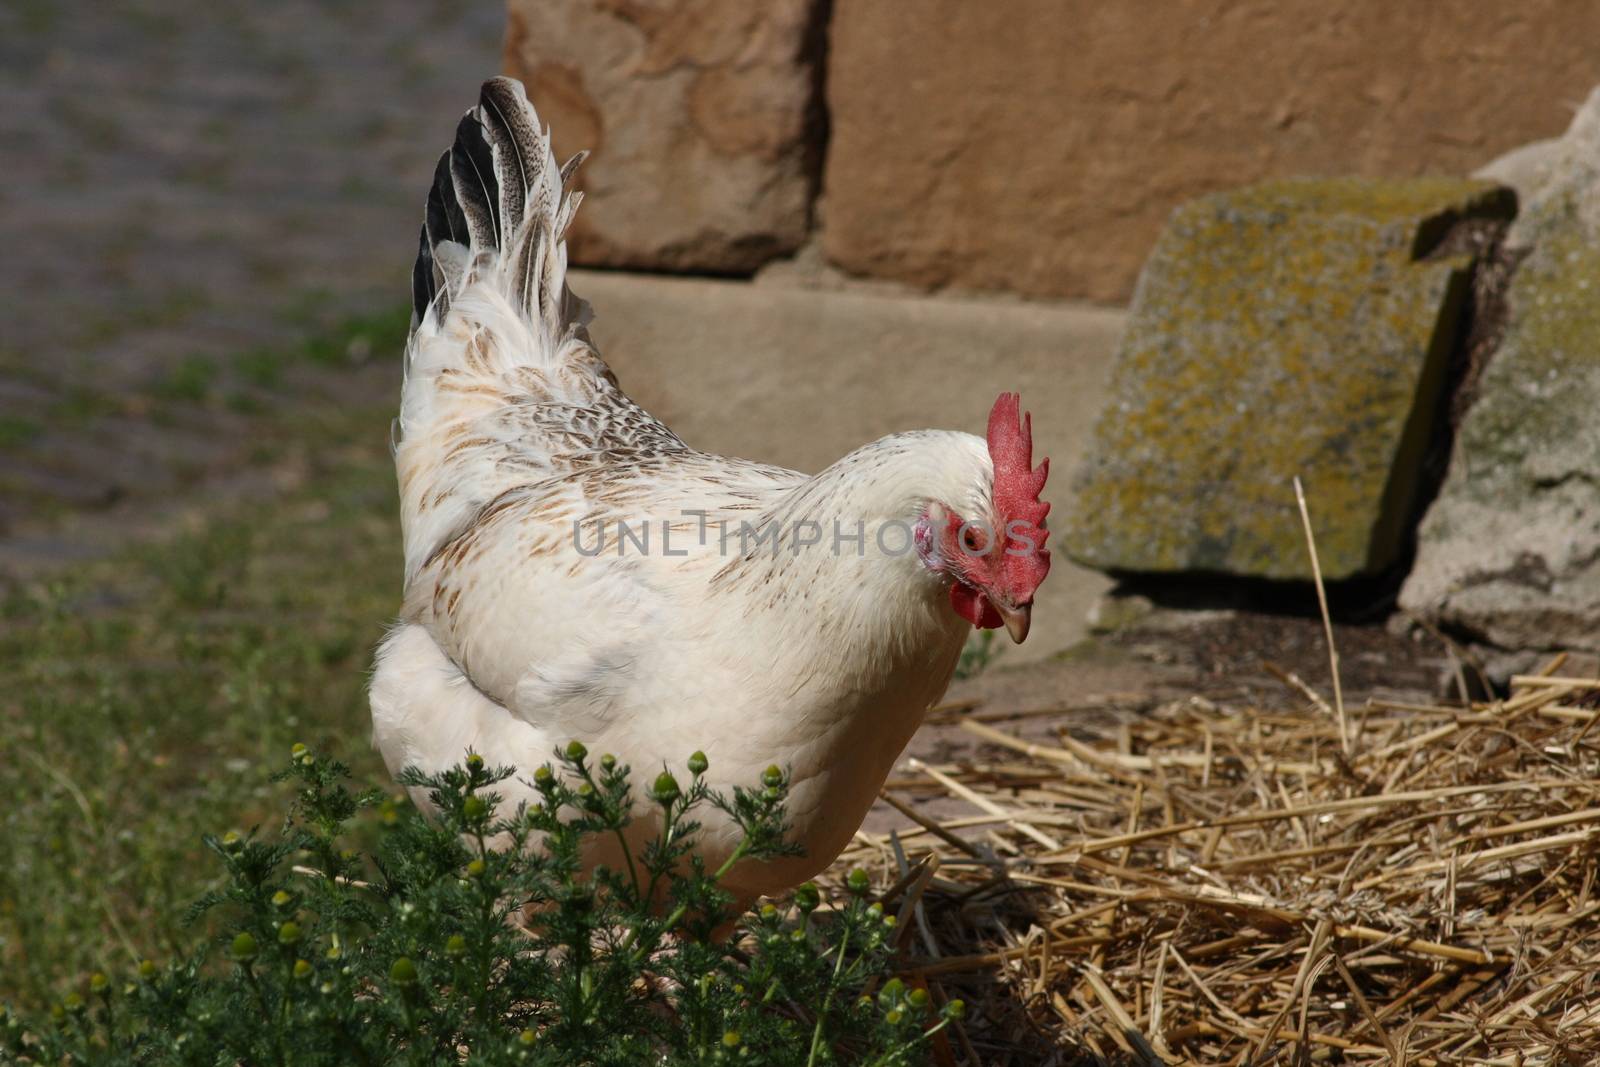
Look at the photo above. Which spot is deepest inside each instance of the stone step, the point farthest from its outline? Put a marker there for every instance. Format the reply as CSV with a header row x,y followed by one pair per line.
x,y
799,376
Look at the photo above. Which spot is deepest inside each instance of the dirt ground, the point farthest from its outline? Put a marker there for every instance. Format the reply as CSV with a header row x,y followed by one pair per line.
x,y
192,191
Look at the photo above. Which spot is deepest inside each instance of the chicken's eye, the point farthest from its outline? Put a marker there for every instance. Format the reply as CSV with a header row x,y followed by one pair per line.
x,y
972,540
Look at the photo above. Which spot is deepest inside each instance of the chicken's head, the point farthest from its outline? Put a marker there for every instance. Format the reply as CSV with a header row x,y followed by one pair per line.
x,y
995,561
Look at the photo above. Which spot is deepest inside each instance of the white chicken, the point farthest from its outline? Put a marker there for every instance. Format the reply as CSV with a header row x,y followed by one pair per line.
x,y
573,570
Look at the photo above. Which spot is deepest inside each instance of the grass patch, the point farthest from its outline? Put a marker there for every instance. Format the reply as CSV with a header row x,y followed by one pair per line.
x,y
164,310
18,430
80,405
190,380
261,367
358,338
143,695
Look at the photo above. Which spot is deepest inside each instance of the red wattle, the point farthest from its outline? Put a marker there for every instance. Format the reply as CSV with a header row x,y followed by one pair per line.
x,y
974,607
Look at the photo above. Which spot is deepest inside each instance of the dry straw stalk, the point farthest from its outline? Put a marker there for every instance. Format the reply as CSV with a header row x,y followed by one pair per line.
x,y
1219,885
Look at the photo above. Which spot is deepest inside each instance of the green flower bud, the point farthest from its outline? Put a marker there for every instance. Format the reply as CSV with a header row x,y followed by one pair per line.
x,y
576,751
698,763
798,934
289,933
608,762
875,909
769,912
956,1009
474,763
772,777
891,993
297,750
333,952
731,1039
666,788
302,969
476,868
474,808
147,969
527,1037
544,778
917,998
857,882
281,900
232,841
243,948
58,1014
806,897
890,921
455,947
98,982
403,973
893,1016
74,1004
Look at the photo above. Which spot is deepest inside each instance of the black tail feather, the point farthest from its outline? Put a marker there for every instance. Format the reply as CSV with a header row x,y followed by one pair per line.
x,y
477,188
496,193
512,137
424,286
445,220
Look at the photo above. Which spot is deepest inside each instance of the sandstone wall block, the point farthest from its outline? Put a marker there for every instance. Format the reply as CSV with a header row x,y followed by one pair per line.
x,y
701,116
1038,146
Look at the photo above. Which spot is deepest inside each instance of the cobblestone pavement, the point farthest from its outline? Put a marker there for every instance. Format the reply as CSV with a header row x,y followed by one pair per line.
x,y
191,191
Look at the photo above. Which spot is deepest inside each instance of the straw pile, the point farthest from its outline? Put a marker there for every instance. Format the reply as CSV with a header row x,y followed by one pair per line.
x,y
1208,884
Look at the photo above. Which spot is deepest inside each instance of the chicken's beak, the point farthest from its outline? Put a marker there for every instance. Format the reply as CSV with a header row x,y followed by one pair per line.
x,y
1016,620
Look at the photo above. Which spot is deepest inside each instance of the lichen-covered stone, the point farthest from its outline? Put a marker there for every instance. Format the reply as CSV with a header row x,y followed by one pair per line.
x,y
1509,553
1288,328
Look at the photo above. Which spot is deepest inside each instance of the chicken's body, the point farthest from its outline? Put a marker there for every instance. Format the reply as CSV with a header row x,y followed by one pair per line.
x,y
575,571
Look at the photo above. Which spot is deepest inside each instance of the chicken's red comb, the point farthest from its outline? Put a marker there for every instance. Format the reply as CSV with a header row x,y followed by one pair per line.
x,y
1016,496
1017,484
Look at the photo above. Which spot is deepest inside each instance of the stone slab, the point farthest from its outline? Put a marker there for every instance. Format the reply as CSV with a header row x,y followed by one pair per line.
x,y
1292,328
